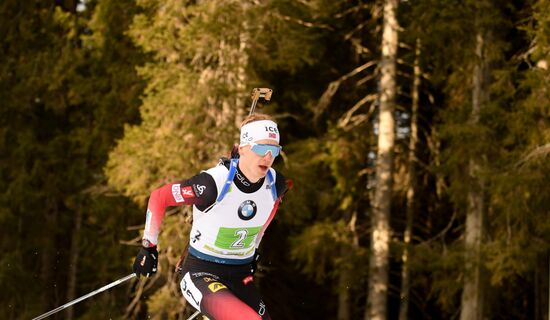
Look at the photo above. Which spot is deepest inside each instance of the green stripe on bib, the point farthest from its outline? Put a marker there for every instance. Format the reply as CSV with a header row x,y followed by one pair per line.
x,y
236,238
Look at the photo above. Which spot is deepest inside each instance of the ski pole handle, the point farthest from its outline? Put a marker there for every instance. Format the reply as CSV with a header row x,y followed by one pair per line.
x,y
68,304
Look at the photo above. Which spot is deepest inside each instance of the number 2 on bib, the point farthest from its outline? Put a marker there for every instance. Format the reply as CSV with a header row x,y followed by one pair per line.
x,y
241,234
236,238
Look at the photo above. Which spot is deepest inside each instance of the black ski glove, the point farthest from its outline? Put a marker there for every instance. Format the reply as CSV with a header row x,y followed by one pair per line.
x,y
146,261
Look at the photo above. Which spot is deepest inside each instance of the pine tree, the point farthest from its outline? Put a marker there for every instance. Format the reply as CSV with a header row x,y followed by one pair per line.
x,y
51,110
472,294
380,215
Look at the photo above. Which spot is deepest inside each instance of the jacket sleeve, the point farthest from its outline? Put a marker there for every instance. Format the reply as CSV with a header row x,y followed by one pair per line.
x,y
199,190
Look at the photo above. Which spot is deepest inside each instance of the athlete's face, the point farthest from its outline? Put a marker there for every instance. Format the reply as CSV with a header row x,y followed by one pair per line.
x,y
254,165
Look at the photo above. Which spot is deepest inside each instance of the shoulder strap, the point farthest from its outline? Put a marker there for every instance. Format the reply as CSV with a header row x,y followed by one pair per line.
x,y
229,180
271,183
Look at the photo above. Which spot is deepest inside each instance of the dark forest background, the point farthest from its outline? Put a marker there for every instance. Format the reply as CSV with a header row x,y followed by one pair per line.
x,y
103,101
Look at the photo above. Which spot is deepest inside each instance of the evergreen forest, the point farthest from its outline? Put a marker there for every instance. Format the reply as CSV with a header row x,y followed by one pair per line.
x,y
416,133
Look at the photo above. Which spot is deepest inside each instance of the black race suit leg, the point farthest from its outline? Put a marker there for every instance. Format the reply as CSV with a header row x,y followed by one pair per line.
x,y
221,292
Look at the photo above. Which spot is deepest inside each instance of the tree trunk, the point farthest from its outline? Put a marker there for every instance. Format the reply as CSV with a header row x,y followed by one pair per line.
x,y
73,265
472,304
541,287
411,186
344,280
472,294
49,295
380,218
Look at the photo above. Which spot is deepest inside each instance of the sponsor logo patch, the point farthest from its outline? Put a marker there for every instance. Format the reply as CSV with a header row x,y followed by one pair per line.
x,y
200,189
247,210
247,280
204,274
209,279
242,179
187,192
271,129
216,286
176,193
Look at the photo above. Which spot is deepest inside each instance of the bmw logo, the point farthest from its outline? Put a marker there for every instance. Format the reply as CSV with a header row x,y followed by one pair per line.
x,y
247,210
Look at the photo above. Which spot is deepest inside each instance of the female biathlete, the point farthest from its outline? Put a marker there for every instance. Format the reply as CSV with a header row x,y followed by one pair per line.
x,y
233,203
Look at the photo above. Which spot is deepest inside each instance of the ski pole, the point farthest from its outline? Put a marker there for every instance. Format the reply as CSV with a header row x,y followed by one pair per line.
x,y
110,285
194,315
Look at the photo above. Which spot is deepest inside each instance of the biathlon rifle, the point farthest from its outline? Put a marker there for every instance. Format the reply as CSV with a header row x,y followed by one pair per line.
x,y
259,94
